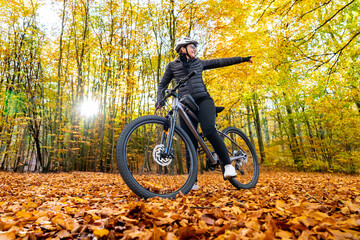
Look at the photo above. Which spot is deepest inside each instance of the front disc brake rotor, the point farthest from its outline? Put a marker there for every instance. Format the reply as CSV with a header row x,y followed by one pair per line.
x,y
157,152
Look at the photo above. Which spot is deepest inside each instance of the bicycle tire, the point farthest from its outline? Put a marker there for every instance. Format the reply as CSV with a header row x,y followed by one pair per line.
x,y
248,167
153,179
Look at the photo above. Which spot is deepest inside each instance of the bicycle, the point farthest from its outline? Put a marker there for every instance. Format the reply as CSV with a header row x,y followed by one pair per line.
x,y
151,152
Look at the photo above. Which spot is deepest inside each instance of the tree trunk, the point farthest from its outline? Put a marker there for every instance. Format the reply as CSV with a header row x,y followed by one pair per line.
x,y
248,117
266,130
293,143
257,122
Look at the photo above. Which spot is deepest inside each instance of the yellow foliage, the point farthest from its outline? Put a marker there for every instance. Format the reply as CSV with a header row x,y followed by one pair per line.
x,y
101,232
304,77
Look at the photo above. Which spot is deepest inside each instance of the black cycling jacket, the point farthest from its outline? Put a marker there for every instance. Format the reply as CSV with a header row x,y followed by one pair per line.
x,y
195,86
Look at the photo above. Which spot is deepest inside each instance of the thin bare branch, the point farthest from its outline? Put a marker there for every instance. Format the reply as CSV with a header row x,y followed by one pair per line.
x,y
263,13
323,24
314,9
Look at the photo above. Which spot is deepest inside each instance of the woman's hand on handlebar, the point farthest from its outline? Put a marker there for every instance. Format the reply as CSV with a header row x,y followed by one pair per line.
x,y
159,105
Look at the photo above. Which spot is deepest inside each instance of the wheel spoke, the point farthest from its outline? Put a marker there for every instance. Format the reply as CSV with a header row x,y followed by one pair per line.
x,y
240,149
143,165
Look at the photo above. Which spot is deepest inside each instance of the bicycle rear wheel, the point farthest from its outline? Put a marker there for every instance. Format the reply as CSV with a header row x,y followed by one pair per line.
x,y
246,164
146,172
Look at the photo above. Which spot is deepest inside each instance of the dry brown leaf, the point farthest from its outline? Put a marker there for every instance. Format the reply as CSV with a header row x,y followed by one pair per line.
x,y
9,235
171,236
208,219
158,233
186,233
70,224
63,234
354,208
282,205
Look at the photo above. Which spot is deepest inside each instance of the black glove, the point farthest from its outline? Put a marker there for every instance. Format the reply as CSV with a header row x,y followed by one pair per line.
x,y
159,104
247,59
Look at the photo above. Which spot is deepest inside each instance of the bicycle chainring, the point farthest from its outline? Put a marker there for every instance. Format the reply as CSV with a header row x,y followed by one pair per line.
x,y
157,152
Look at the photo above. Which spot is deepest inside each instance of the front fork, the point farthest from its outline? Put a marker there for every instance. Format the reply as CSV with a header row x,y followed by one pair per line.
x,y
168,133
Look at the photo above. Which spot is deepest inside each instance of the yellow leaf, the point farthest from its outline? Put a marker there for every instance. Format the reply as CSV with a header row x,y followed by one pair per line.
x,y
30,204
203,225
253,224
23,214
59,221
70,210
348,223
236,210
284,234
280,205
79,200
95,217
184,222
158,233
101,232
319,215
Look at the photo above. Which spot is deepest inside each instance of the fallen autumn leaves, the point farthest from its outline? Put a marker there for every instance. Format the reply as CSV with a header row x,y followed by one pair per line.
x,y
77,205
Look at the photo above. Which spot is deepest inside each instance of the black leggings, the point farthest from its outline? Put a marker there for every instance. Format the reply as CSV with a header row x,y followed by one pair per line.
x,y
207,119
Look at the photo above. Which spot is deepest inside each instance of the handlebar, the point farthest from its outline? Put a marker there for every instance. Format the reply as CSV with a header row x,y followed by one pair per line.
x,y
179,84
183,81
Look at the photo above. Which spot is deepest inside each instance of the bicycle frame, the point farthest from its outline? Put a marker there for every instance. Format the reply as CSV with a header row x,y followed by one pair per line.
x,y
178,107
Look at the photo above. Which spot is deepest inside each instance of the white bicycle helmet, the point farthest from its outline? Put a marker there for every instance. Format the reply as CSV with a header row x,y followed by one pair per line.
x,y
184,42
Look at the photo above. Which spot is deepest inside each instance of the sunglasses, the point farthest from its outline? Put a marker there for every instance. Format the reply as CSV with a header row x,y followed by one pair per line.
x,y
192,46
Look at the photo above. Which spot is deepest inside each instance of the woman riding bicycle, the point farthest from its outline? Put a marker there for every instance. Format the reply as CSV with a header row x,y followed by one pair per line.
x,y
180,68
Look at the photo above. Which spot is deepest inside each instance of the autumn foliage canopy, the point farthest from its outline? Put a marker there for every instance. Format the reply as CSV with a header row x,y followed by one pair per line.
x,y
73,73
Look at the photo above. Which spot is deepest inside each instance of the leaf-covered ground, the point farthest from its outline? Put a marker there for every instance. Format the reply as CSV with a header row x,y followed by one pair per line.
x,y
283,205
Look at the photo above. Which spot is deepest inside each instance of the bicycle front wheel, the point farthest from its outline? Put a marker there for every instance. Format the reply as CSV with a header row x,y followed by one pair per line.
x,y
144,168
243,156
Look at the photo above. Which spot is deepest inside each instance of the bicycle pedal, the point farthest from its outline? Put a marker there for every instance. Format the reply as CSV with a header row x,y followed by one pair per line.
x,y
239,170
212,168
